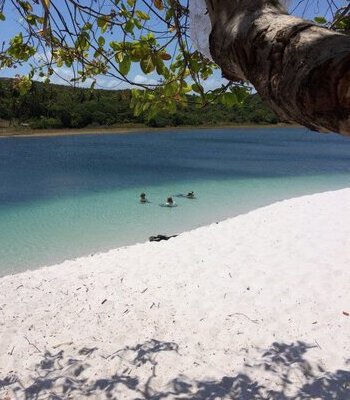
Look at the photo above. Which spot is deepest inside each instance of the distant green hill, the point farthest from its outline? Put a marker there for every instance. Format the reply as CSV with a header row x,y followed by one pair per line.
x,y
48,106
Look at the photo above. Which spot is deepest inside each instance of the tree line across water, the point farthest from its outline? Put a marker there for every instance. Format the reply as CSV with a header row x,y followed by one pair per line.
x,y
49,106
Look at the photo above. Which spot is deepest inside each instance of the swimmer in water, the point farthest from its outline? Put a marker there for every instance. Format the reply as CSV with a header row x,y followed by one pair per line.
x,y
169,202
143,198
190,195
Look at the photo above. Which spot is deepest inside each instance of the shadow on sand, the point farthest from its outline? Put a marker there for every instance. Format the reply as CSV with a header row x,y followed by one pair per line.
x,y
58,376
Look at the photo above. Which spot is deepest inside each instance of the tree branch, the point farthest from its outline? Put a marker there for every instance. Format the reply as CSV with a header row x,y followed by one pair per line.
x,y
299,68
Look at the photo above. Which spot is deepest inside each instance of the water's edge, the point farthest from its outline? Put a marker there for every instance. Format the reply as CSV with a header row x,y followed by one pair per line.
x,y
64,197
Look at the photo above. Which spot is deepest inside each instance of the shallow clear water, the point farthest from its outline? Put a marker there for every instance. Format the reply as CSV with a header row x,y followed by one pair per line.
x,y
68,196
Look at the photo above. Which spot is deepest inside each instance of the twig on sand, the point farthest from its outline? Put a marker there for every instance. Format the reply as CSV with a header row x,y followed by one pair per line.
x,y
19,287
32,344
62,344
113,355
255,321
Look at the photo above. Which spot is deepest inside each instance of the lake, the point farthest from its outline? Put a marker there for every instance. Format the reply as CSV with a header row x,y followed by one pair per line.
x,y
69,196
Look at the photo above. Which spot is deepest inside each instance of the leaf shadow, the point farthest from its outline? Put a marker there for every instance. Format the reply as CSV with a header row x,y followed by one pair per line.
x,y
62,376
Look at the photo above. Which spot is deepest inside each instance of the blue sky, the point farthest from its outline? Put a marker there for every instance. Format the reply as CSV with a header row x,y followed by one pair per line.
x,y
305,8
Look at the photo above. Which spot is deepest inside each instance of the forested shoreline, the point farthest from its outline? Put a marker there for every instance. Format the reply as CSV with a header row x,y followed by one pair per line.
x,y
49,106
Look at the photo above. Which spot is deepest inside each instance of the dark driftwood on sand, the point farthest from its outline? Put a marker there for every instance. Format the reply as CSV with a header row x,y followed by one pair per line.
x,y
158,238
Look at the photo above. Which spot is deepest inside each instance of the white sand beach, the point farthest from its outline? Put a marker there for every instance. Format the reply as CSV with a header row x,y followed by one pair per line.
x,y
254,307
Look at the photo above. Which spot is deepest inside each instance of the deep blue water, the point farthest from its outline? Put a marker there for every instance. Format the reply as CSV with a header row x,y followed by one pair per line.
x,y
67,196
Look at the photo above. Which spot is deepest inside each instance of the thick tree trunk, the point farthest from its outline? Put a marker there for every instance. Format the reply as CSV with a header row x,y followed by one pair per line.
x,y
302,70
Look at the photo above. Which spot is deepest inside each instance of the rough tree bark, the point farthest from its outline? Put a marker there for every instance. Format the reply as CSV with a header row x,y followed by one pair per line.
x,y
300,69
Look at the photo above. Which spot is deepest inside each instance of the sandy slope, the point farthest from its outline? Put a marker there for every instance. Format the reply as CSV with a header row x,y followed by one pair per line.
x,y
252,308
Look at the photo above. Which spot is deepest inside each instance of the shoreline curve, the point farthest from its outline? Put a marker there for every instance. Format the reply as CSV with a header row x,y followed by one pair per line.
x,y
213,312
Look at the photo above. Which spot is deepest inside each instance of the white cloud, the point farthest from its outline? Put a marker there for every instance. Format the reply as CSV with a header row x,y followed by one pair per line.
x,y
140,79
144,80
214,83
105,82
63,76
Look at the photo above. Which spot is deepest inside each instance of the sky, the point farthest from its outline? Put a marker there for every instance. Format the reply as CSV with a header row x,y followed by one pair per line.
x,y
305,8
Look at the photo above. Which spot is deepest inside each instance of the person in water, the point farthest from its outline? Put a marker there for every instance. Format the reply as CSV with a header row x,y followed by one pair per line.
x,y
190,195
143,198
169,201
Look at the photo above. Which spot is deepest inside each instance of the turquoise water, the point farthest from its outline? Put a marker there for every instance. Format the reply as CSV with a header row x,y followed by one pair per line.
x,y
66,197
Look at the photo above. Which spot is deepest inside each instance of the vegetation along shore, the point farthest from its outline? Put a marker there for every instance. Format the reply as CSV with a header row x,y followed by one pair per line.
x,y
52,109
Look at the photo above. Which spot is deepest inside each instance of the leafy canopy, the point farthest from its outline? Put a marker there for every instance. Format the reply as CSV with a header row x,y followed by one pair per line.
x,y
111,37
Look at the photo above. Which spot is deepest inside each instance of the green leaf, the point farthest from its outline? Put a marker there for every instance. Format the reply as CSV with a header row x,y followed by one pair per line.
x,y
160,67
147,65
320,20
142,15
228,99
165,56
195,67
2,17
170,89
87,26
169,14
343,24
115,45
119,56
31,19
172,107
129,26
186,88
131,2
137,23
101,41
136,53
25,5
241,93
102,23
82,42
23,84
197,88
124,66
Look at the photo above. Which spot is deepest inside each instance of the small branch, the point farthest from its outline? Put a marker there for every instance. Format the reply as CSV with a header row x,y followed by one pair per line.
x,y
32,344
255,321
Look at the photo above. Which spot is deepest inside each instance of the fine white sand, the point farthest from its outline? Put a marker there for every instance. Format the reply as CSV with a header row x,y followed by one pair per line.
x,y
255,307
